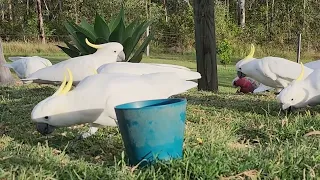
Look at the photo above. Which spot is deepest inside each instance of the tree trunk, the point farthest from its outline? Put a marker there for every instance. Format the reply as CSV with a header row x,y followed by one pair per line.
x,y
40,22
206,45
27,7
148,14
10,10
271,21
267,16
76,12
5,74
2,12
241,13
165,10
228,8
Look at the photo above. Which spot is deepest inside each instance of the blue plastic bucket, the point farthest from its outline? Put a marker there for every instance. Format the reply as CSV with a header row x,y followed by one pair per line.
x,y
152,129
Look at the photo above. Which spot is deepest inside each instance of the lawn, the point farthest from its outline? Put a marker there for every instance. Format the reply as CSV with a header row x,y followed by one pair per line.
x,y
241,136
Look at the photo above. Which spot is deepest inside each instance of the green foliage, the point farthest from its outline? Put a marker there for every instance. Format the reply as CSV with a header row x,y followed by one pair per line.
x,y
177,33
224,52
102,32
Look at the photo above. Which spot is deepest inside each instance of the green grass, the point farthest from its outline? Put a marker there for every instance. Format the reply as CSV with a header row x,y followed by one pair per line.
x,y
243,135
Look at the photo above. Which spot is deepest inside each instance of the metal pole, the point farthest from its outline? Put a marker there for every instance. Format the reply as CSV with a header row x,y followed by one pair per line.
x,y
299,48
148,28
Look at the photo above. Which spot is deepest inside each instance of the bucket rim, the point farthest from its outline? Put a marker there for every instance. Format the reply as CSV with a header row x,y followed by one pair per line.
x,y
126,106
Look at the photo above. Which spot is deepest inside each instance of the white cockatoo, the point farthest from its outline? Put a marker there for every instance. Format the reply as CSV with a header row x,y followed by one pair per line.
x,y
81,66
94,98
312,65
301,92
24,66
148,68
274,72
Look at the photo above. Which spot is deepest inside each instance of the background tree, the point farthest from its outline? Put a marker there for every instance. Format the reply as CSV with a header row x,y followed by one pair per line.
x,y
40,22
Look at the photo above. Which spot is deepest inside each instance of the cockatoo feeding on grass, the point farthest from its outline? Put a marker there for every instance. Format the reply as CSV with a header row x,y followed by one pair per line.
x,y
301,92
94,98
81,66
274,72
148,68
312,65
24,66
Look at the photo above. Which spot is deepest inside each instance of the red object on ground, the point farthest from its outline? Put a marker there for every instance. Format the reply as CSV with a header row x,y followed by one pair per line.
x,y
245,85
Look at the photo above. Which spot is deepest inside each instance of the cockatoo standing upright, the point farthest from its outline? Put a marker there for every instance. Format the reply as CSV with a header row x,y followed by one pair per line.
x,y
81,66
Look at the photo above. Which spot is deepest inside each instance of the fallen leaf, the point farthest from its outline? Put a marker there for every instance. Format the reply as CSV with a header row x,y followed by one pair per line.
x,y
97,157
132,169
312,133
284,122
261,126
56,151
199,140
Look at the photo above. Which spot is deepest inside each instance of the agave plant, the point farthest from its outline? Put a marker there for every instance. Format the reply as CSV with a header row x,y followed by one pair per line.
x,y
101,32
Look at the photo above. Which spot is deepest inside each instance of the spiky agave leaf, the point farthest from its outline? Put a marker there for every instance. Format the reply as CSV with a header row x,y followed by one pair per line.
x,y
101,32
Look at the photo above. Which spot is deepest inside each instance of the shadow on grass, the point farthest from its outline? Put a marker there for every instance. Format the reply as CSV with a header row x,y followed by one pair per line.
x,y
16,107
250,103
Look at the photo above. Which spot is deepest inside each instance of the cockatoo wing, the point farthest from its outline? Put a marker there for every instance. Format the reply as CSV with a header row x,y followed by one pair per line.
x,y
19,66
15,58
283,68
313,64
147,68
262,88
171,65
145,87
79,67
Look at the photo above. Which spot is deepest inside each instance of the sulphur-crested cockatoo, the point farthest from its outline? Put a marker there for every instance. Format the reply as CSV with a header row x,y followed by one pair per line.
x,y
24,66
94,98
301,92
312,65
274,72
81,66
148,68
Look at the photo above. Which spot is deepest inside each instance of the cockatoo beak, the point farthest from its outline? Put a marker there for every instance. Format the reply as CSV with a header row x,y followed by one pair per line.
x,y
121,57
44,128
240,74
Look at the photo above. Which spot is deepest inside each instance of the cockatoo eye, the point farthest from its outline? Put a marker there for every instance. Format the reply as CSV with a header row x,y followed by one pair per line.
x,y
46,117
115,51
292,99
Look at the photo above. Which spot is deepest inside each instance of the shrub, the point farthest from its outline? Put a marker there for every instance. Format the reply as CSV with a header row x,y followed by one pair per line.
x,y
101,32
